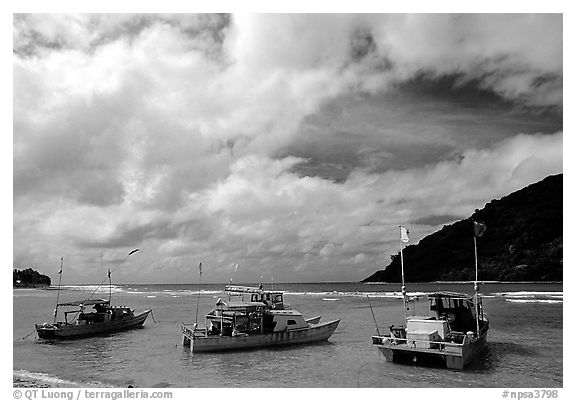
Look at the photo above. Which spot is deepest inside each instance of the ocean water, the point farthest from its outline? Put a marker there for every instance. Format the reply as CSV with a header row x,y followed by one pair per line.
x,y
525,341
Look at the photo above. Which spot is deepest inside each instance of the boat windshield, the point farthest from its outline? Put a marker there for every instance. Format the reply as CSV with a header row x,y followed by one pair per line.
x,y
458,309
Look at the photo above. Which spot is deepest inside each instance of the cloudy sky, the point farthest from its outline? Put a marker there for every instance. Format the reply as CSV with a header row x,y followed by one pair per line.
x,y
291,145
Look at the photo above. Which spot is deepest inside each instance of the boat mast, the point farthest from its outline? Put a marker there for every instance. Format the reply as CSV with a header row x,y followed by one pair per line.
x,y
476,289
198,298
404,238
479,229
109,287
110,272
58,295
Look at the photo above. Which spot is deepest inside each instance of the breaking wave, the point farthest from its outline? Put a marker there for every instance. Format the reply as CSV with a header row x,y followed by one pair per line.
x,y
511,296
531,294
92,287
519,296
332,294
535,301
37,379
173,293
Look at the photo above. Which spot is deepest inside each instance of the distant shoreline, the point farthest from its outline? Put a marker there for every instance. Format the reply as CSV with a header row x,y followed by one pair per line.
x,y
22,285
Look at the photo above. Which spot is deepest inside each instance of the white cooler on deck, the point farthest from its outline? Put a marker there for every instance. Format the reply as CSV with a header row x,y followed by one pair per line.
x,y
421,339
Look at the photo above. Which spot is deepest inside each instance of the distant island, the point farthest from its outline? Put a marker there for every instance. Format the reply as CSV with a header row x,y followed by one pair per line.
x,y
523,242
29,278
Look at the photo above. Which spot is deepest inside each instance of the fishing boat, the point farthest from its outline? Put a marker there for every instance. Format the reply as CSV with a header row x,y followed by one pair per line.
x,y
251,318
453,333
102,320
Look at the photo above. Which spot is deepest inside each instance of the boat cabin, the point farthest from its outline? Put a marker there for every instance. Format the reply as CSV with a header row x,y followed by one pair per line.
x,y
232,318
458,309
272,299
452,318
103,312
252,310
287,319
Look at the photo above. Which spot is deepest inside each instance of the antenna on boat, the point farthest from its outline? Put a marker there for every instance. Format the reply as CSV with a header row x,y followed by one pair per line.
x,y
109,287
404,238
58,295
236,266
109,273
198,298
479,229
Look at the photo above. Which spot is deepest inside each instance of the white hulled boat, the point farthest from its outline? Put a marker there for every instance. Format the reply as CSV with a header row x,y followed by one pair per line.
x,y
252,318
454,332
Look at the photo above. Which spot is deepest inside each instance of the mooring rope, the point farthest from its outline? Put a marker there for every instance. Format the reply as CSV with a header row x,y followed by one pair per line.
x,y
28,335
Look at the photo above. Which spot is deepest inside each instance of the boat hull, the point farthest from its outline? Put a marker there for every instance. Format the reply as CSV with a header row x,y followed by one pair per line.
x,y
452,356
198,342
67,331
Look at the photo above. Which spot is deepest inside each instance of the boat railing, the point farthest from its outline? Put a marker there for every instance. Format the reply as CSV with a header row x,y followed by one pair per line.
x,y
188,332
393,340
437,344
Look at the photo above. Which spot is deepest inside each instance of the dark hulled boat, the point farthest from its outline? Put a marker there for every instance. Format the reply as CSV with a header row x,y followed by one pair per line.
x,y
102,320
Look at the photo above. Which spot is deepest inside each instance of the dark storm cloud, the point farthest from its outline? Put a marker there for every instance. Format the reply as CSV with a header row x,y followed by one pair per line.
x,y
418,123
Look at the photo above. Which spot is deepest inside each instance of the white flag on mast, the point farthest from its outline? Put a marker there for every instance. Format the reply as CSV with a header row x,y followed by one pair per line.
x,y
479,228
404,234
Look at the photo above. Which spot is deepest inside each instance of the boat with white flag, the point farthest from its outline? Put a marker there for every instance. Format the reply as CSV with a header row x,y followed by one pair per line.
x,y
453,333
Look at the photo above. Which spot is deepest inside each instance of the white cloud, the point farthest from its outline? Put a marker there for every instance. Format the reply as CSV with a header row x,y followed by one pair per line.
x,y
164,132
338,222
295,227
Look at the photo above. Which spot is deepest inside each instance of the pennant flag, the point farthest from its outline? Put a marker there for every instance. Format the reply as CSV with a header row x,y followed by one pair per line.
x,y
200,268
134,251
479,229
61,260
236,267
404,234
